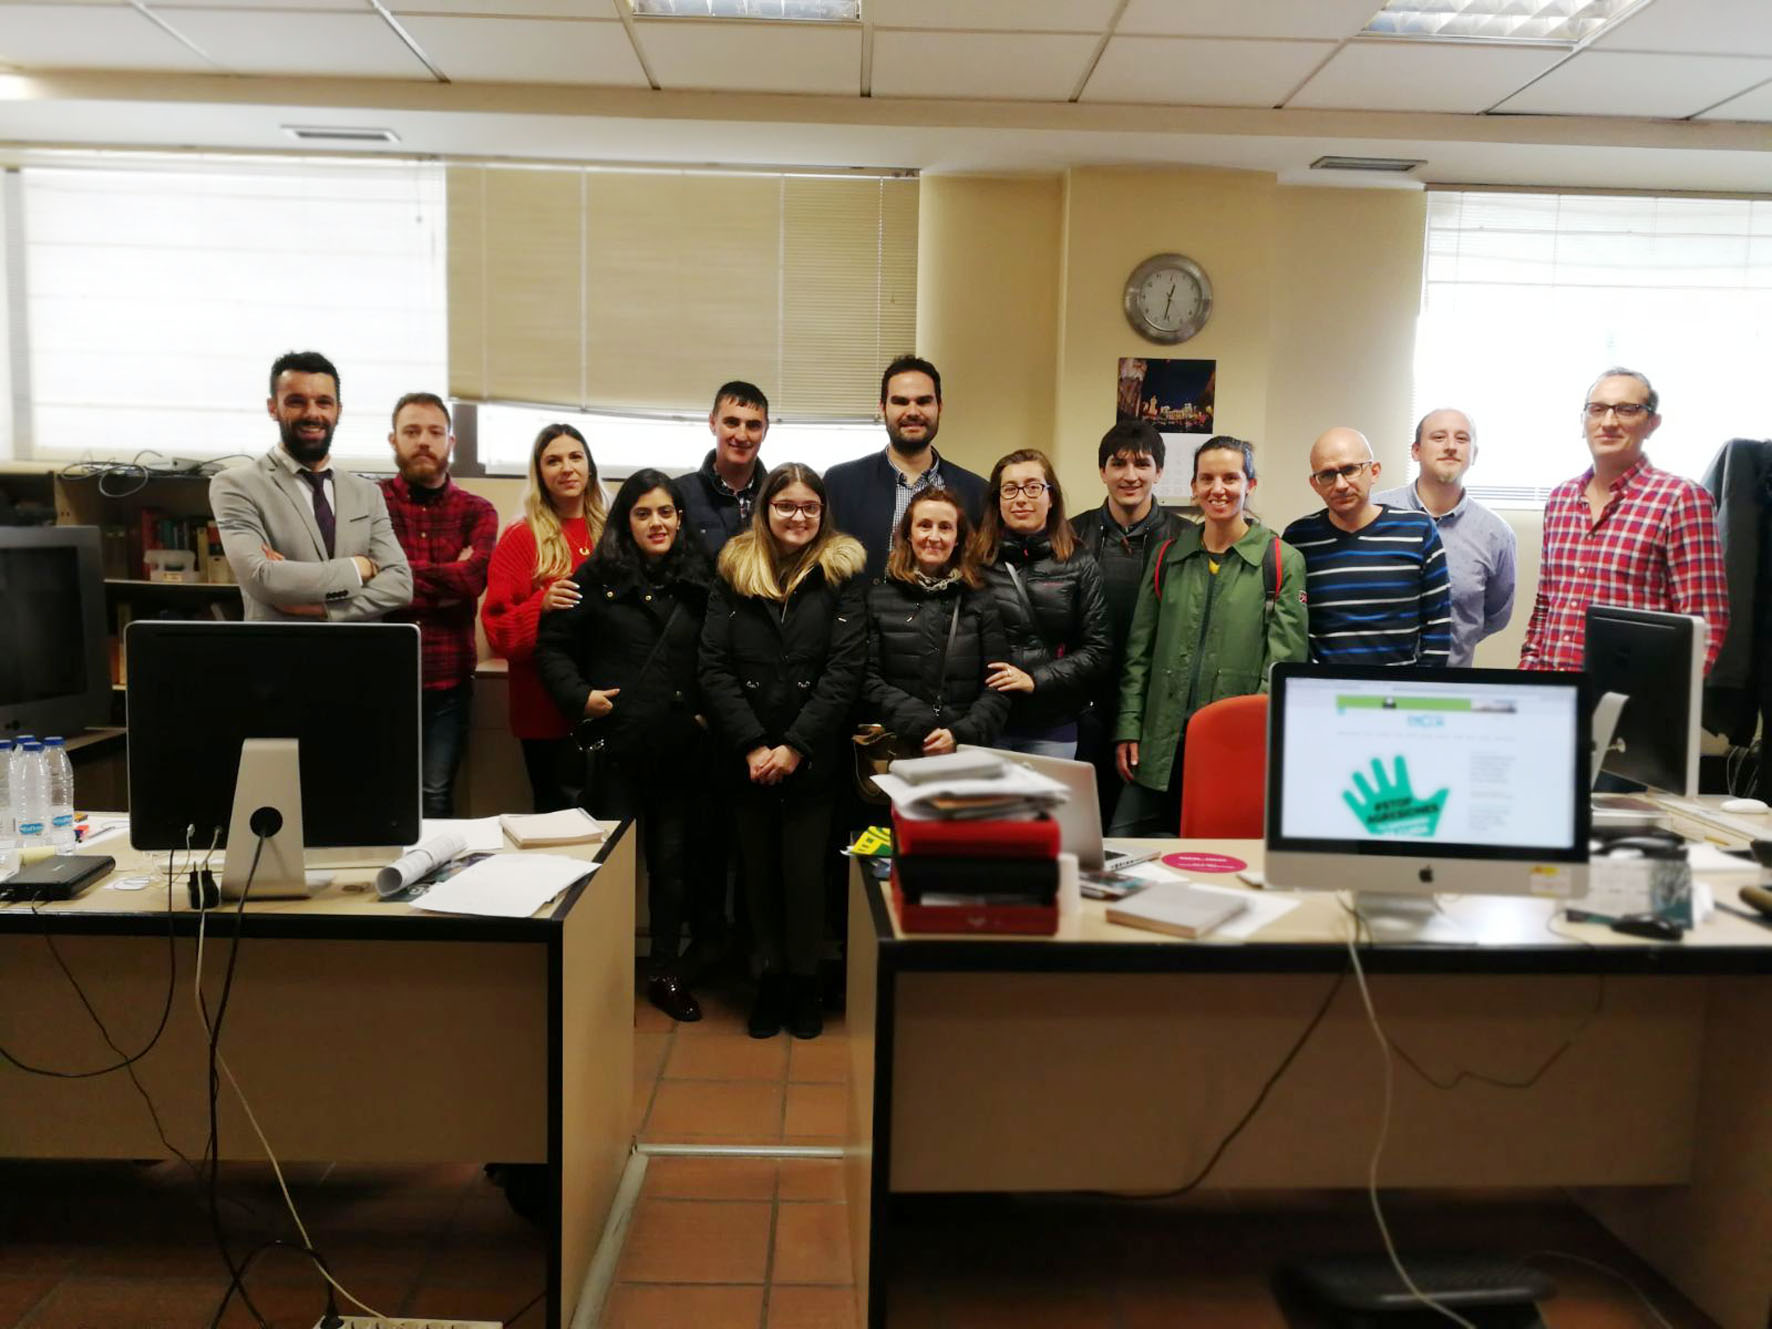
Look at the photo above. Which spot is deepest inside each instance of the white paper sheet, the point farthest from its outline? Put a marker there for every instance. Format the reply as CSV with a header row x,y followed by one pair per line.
x,y
505,885
482,835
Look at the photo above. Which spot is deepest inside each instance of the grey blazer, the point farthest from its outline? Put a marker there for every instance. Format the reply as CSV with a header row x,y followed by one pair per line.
x,y
264,503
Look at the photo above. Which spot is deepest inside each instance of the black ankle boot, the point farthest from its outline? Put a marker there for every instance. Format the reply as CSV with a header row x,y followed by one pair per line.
x,y
770,1008
805,1006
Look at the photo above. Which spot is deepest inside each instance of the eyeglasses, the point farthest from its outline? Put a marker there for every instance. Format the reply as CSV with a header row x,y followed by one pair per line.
x,y
787,511
1032,488
1329,475
1626,411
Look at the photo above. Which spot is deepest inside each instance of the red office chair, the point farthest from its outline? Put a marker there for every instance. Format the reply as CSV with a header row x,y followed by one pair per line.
x,y
1224,770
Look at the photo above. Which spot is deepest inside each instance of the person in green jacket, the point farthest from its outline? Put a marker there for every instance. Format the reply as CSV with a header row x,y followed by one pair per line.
x,y
1217,605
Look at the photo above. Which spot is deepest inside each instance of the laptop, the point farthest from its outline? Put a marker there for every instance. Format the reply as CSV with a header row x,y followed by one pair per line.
x,y
1079,816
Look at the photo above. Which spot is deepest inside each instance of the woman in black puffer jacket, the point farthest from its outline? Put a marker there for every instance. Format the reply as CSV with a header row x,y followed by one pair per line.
x,y
621,664
782,657
1053,603
932,629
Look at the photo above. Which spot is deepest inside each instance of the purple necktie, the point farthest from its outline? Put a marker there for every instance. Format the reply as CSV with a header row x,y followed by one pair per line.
x,y
322,509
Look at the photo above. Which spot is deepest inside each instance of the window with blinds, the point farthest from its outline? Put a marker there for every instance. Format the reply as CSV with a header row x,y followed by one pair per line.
x,y
157,292
1528,297
640,292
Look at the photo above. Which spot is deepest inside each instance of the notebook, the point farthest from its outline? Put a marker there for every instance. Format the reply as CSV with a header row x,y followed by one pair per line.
x,y
1177,908
567,826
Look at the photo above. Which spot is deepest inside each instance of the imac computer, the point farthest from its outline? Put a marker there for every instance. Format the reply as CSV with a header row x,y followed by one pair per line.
x,y
1647,670
55,671
1401,784
306,734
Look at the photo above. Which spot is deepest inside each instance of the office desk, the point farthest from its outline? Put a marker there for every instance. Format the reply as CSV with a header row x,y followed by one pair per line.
x,y
360,1031
1115,1059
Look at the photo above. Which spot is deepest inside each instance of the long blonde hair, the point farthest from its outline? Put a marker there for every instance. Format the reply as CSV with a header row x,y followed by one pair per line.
x,y
753,562
553,556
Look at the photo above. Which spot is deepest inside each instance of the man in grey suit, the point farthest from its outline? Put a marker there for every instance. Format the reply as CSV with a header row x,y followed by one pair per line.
x,y
306,541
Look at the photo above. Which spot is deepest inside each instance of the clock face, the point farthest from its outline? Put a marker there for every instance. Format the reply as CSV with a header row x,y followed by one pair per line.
x,y
1168,298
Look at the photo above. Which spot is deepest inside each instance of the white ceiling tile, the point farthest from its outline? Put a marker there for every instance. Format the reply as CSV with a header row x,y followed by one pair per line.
x,y
1006,15
1011,66
1185,71
90,37
1632,83
298,43
1754,105
1381,75
1248,18
753,57
512,8
1713,27
349,6
521,50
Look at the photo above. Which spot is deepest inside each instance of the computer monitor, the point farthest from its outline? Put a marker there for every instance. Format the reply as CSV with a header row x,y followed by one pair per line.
x,y
317,722
1655,662
1400,784
55,673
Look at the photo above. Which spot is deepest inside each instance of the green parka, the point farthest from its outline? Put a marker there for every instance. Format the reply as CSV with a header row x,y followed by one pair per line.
x,y
1208,638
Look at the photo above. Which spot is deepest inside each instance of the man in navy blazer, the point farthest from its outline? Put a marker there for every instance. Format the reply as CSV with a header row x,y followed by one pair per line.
x,y
306,541
869,495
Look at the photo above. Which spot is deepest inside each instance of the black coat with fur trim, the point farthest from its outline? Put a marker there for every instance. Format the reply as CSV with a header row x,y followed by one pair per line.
x,y
789,672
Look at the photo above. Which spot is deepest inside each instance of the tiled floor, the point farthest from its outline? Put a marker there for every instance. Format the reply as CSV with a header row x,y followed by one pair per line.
x,y
741,1242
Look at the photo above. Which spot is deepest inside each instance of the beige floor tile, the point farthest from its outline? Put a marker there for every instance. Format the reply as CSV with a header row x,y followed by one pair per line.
x,y
654,1306
811,1308
811,1244
824,1060
710,1178
816,1111
651,1046
648,1018
811,1179
696,1241
728,1112
729,1056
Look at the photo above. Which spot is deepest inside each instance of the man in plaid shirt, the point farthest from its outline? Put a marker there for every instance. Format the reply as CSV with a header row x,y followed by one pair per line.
x,y
1623,533
448,535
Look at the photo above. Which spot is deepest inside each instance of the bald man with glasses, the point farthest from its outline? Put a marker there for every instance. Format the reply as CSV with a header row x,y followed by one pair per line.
x,y
1623,533
1376,576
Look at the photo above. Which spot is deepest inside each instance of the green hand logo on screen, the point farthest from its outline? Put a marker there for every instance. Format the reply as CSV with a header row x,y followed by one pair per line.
x,y
1388,805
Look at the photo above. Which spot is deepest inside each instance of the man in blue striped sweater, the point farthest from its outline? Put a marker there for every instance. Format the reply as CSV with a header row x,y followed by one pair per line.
x,y
1380,592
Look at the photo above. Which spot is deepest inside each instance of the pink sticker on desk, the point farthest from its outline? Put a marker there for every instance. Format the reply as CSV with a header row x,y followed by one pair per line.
x,y
1186,862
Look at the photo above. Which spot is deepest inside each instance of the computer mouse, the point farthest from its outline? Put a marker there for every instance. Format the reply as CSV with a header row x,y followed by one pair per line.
x,y
1651,926
1753,807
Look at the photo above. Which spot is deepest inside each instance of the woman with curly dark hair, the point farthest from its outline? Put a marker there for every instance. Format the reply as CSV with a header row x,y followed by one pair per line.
x,y
621,665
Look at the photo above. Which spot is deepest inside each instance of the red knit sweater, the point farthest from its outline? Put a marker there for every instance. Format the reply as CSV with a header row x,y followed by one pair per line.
x,y
510,615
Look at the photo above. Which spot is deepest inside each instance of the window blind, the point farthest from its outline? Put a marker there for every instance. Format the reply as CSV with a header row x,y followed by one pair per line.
x,y
1528,297
159,290
643,291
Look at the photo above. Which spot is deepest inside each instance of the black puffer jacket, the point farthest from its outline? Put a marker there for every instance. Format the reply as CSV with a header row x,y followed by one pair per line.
x,y
1067,644
605,639
789,673
907,636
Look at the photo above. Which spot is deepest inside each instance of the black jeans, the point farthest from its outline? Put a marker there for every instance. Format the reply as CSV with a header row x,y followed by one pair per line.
x,y
675,820
783,838
555,770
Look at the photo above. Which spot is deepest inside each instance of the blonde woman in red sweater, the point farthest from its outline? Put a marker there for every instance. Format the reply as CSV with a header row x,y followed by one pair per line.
x,y
531,575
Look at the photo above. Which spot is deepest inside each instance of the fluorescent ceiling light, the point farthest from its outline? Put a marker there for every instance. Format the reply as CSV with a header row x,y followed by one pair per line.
x,y
1567,22
1396,165
339,134
806,11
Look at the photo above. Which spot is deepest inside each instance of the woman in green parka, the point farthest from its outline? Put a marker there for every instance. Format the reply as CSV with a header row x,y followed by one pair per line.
x,y
1217,605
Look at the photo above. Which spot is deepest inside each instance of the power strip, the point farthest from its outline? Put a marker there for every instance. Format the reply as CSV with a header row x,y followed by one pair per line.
x,y
407,1322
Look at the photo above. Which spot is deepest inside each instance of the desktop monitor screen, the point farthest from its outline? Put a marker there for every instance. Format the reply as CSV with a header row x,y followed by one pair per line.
x,y
1472,781
55,675
347,692
1655,661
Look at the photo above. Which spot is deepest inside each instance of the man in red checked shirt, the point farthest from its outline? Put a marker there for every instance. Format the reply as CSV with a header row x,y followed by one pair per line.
x,y
448,535
1624,533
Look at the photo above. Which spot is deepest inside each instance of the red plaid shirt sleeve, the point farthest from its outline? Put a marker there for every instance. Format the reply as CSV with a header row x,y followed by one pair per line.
x,y
435,531
1655,547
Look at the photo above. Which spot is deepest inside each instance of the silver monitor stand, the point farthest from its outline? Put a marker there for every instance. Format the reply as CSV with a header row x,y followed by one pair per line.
x,y
267,798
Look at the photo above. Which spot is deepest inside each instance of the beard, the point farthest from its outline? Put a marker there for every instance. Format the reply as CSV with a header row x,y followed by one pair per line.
x,y
422,471
304,450
910,447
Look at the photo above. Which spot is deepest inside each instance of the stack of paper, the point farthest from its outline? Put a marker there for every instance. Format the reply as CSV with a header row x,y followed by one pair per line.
x,y
505,885
1017,792
567,826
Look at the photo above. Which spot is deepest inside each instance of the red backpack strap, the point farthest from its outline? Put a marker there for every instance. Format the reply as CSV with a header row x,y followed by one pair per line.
x,y
1157,568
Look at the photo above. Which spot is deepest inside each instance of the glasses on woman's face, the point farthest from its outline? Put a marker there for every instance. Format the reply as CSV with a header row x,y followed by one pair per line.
x,y
788,511
1032,488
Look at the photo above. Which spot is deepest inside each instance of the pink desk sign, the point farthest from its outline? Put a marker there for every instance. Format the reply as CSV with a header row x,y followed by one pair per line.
x,y
1190,862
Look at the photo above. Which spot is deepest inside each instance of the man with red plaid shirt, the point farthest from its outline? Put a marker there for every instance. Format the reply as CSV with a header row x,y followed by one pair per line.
x,y
1624,533
448,535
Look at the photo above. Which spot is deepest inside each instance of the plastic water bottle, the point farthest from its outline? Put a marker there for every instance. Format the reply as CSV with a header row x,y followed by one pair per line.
x,y
8,823
60,773
31,798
